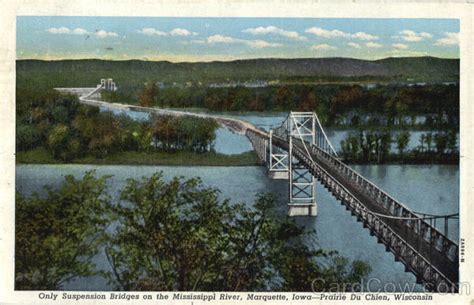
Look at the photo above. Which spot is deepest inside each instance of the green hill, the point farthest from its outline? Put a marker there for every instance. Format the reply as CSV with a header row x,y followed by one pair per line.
x,y
77,73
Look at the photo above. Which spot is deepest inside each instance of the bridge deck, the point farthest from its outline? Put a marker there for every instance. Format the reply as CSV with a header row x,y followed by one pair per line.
x,y
437,258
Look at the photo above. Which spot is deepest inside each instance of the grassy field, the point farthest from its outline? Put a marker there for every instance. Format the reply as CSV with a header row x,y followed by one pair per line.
x,y
41,156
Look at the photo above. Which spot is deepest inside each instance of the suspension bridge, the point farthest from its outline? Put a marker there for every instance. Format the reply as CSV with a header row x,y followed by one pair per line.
x,y
299,150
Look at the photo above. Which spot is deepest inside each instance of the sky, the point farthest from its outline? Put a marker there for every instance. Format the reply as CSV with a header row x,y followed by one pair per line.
x,y
179,39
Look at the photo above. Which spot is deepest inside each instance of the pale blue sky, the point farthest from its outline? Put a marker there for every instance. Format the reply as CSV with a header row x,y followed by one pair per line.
x,y
205,39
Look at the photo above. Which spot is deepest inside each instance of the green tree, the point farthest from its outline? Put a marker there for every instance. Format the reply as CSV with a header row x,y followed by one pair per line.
x,y
351,147
57,141
441,142
27,137
57,235
422,142
402,139
452,142
429,141
179,235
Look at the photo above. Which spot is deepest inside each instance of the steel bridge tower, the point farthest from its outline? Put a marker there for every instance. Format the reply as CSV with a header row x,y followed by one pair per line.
x,y
298,129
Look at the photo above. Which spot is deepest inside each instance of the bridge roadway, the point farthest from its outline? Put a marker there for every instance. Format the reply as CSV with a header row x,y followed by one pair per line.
x,y
420,256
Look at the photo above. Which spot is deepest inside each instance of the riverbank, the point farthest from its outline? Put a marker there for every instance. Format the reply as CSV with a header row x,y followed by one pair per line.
x,y
182,158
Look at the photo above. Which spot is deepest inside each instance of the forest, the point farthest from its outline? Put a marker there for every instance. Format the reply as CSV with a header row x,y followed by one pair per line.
x,y
69,130
375,146
336,105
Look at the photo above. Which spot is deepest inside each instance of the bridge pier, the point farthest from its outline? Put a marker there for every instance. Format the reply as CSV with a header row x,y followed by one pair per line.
x,y
303,209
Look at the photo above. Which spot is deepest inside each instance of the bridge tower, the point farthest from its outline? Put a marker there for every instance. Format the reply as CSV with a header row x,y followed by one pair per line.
x,y
108,84
298,129
301,130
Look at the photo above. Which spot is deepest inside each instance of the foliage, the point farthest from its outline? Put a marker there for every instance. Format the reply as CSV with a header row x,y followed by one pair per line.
x,y
367,146
402,139
166,235
27,137
57,235
178,235
375,147
189,133
149,95
70,131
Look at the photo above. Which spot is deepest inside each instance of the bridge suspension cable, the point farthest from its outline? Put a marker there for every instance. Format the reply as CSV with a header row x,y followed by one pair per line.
x,y
453,216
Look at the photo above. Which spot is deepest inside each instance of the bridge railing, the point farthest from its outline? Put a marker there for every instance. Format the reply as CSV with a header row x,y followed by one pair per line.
x,y
396,209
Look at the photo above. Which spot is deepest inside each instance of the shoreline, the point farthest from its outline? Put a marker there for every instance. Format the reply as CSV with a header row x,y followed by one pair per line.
x,y
41,156
178,159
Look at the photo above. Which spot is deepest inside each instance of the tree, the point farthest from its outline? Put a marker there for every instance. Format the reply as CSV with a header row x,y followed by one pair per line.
x,y
402,139
422,142
441,142
385,145
351,147
148,97
27,137
310,101
179,235
57,140
452,142
56,236
429,141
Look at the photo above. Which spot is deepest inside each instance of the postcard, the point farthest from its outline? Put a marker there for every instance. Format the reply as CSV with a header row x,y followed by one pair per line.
x,y
236,152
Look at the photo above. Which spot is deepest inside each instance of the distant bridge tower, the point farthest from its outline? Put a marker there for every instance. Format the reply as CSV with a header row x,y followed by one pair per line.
x,y
108,84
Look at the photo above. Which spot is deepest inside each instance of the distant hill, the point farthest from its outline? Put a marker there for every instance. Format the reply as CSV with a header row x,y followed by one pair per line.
x,y
133,72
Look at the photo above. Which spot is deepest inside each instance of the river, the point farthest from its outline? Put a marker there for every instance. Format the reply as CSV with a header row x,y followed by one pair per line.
x,y
425,188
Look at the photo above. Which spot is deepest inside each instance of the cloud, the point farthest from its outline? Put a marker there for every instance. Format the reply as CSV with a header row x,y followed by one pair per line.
x,y
340,34
371,44
449,39
80,31
400,46
274,30
354,45
364,36
260,44
221,39
326,33
412,36
181,32
256,44
66,30
152,32
322,47
426,35
173,32
104,34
